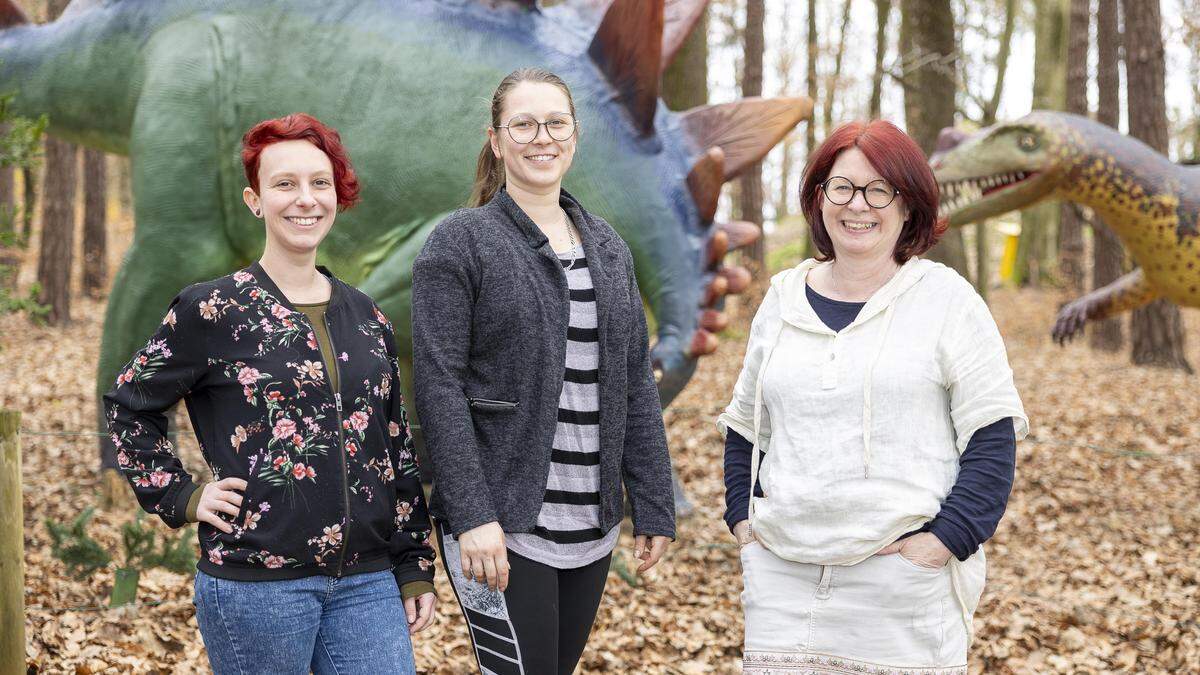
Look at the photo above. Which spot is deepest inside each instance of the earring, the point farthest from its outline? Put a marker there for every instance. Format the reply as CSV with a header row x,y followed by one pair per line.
x,y
257,213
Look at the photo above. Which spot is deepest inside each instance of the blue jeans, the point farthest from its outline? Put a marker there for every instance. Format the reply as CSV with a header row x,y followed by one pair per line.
x,y
354,624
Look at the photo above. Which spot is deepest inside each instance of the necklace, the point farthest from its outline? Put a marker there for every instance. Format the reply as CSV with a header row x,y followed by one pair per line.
x,y
571,238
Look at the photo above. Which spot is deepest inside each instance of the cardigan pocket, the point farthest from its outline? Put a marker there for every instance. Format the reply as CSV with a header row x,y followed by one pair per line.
x,y
492,405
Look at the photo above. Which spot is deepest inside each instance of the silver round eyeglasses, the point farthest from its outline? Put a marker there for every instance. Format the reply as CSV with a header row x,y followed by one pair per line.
x,y
524,128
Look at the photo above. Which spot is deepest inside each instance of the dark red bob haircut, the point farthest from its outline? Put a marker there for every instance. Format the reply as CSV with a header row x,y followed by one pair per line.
x,y
302,127
899,161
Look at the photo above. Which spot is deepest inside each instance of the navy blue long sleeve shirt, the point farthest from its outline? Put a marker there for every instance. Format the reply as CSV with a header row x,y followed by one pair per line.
x,y
976,502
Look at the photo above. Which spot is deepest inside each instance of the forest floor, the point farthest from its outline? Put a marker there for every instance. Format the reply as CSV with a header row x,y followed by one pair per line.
x,y
1094,568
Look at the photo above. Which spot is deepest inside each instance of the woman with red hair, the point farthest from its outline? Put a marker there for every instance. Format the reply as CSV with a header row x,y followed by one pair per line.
x,y
877,399
314,532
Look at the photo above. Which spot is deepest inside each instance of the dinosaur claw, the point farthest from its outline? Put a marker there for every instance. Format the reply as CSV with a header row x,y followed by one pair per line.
x,y
717,289
718,246
714,321
738,278
703,343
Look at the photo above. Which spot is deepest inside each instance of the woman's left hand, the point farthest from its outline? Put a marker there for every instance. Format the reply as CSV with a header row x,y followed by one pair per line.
x,y
649,550
420,611
923,548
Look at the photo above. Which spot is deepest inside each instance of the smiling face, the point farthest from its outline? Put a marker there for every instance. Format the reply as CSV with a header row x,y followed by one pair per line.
x,y
858,230
540,164
297,197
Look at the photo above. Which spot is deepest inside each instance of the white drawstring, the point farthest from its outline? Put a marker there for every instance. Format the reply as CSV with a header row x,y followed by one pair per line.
x,y
887,322
762,371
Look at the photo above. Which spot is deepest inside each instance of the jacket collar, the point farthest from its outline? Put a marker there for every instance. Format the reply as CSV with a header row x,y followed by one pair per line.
x,y
796,310
592,233
337,293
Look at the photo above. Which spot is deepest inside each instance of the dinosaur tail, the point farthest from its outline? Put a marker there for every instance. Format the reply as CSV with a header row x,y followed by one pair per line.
x,y
69,71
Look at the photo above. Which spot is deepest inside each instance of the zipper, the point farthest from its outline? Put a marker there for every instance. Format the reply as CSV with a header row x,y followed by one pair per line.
x,y
337,399
492,404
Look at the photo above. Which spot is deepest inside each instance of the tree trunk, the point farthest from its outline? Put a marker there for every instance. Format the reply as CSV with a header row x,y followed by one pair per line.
x,y
1005,48
783,67
56,254
1036,252
927,26
8,216
28,200
810,77
95,199
685,81
1157,329
883,9
1108,258
1070,227
750,202
831,83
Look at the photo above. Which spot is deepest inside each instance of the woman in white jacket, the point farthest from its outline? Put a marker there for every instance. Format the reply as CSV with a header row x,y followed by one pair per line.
x,y
877,398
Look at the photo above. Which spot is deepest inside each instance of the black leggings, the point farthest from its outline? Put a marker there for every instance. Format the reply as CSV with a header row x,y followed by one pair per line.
x,y
539,624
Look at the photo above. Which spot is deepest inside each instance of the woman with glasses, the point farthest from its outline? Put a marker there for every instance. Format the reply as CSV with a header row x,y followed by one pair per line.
x,y
877,400
535,391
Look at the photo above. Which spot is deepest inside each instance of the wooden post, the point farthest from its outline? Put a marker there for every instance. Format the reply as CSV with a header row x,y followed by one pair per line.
x,y
12,547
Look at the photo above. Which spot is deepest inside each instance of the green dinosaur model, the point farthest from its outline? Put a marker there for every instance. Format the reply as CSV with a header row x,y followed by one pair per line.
x,y
175,83
1150,203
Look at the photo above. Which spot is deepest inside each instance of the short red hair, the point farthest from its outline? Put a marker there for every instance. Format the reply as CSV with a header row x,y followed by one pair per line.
x,y
899,161
296,127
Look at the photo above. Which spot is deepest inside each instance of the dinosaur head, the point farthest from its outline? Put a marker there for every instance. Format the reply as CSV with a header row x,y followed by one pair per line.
x,y
659,186
1007,166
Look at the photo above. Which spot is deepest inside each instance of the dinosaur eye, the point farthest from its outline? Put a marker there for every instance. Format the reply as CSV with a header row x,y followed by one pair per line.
x,y
1027,142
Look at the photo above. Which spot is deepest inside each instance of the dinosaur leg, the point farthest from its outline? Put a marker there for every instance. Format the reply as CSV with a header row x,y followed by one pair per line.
x,y
1126,293
180,236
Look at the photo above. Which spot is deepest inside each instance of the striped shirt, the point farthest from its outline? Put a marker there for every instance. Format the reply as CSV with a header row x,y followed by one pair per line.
x,y
568,530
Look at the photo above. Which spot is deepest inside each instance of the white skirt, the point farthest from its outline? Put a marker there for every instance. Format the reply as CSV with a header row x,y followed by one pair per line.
x,y
883,615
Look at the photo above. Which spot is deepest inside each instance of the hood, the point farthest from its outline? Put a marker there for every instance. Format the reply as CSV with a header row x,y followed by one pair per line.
x,y
794,307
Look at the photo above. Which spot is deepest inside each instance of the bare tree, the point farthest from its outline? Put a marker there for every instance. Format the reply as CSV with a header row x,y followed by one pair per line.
x,y
831,82
1070,225
1039,224
1107,254
927,28
883,10
57,249
750,197
1157,328
8,200
810,76
95,248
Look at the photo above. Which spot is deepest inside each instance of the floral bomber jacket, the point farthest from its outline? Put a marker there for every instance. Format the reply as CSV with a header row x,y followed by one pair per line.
x,y
333,487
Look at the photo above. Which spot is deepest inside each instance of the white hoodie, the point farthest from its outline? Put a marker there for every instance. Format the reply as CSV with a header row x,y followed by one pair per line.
x,y
863,428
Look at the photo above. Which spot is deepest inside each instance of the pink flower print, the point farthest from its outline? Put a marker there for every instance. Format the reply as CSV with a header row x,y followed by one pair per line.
x,y
351,448
310,472
254,294
274,395
122,459
312,341
263,507
252,518
169,319
214,557
279,462
143,481
385,387
279,311
358,420
298,470
243,277
284,428
393,429
128,376
403,512
424,564
333,535
297,440
287,323
273,561
380,317
248,375
160,479
313,369
142,360
344,356
238,437
249,394
208,309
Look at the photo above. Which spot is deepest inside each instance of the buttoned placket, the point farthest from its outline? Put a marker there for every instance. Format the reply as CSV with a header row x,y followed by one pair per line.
x,y
829,367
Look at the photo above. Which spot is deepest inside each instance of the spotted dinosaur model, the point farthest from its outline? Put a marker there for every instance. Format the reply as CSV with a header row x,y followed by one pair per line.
x,y
175,83
1151,203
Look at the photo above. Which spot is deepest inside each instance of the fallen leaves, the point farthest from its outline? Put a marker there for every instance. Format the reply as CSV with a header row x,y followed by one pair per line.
x,y
1094,568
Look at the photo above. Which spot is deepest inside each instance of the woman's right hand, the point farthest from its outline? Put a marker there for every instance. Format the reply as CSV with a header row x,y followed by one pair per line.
x,y
223,496
484,555
742,532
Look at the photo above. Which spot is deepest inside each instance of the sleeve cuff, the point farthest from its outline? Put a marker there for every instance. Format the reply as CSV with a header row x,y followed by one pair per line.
x,y
951,537
193,502
413,589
